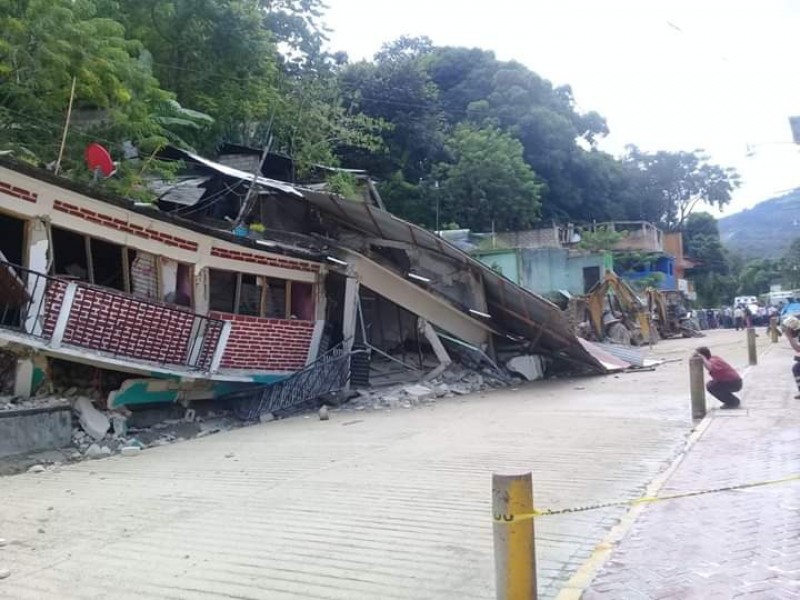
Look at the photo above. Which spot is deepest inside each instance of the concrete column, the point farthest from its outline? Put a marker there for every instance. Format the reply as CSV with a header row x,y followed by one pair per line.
x,y
216,360
320,298
63,315
316,340
438,349
36,255
201,290
350,316
23,378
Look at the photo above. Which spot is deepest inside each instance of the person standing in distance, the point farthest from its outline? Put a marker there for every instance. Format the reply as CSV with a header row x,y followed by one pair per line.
x,y
791,325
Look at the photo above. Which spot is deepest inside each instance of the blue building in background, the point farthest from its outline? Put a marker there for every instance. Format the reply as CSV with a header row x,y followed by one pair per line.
x,y
662,266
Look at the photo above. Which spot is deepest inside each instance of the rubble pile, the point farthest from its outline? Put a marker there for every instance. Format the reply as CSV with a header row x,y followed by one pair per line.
x,y
17,403
455,381
100,434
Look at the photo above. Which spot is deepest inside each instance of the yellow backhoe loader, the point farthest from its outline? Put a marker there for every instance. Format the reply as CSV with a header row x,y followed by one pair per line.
x,y
669,314
616,314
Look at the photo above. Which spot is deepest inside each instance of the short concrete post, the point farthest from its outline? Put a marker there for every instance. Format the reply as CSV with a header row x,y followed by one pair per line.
x,y
773,330
697,386
514,540
752,354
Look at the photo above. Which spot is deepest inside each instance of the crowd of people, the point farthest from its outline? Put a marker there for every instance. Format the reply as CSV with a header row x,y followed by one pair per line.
x,y
735,317
725,381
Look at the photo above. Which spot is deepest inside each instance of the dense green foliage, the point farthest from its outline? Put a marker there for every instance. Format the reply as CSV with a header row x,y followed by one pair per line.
x,y
714,276
720,274
454,135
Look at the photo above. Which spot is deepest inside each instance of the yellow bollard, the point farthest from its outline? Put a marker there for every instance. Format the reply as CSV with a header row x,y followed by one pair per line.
x,y
697,387
514,541
773,330
752,354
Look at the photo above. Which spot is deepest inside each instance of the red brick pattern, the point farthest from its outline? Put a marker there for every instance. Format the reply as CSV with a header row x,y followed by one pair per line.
x,y
261,259
125,326
122,225
18,192
54,298
266,344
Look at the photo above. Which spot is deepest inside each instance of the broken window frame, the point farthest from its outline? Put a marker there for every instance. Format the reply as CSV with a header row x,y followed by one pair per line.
x,y
263,282
126,263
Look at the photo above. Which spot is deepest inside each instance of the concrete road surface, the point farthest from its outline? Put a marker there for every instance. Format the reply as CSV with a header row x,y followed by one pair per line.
x,y
389,505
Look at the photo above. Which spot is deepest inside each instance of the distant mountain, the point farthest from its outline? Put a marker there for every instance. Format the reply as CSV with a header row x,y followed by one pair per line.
x,y
764,231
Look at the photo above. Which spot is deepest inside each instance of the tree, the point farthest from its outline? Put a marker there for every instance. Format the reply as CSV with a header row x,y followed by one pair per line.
x,y
712,274
313,126
603,239
397,90
757,276
222,57
672,184
216,57
43,46
297,25
791,266
475,87
488,184
414,202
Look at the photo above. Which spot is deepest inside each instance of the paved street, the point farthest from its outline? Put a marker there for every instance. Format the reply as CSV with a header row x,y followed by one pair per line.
x,y
736,544
390,504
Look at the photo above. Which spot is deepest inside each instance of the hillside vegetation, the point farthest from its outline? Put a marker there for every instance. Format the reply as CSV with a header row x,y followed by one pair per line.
x,y
764,231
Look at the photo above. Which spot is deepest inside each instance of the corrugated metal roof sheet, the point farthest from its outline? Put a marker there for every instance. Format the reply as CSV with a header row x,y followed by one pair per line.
x,y
513,309
236,173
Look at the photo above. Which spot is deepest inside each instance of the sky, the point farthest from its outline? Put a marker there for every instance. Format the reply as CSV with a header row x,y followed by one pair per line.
x,y
666,74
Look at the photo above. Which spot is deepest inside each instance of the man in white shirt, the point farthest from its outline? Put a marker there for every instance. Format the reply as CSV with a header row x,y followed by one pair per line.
x,y
738,318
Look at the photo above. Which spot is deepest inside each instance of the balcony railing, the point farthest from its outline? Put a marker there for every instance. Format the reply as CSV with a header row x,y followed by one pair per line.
x,y
329,373
76,314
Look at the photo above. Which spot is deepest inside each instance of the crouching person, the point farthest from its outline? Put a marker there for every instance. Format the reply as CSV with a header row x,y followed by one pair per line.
x,y
724,379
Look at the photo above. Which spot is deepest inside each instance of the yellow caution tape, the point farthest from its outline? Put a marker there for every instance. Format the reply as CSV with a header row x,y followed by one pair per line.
x,y
643,500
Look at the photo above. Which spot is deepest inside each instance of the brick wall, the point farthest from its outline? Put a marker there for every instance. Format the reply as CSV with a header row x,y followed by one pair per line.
x,y
262,259
129,327
122,225
266,344
18,192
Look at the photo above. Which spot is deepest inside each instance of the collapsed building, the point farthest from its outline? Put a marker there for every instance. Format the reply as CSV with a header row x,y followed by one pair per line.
x,y
235,282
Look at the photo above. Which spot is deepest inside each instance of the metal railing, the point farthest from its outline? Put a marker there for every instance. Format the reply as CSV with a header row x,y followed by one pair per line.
x,y
24,298
107,321
329,373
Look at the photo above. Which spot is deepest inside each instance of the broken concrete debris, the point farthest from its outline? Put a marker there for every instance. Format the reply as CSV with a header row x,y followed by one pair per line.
x,y
417,393
95,423
531,367
97,451
455,381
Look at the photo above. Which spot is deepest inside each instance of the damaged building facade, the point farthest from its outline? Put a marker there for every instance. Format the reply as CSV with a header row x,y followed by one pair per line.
x,y
234,282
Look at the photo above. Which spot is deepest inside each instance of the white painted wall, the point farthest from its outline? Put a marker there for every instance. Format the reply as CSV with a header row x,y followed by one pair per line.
x,y
49,193
37,253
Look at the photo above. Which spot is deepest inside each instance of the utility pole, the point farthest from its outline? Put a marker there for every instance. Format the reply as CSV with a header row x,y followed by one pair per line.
x,y
66,127
249,198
